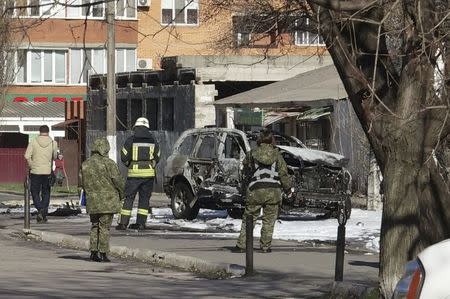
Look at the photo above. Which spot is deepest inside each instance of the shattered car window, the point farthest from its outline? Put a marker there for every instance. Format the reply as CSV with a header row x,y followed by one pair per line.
x,y
207,149
232,148
187,145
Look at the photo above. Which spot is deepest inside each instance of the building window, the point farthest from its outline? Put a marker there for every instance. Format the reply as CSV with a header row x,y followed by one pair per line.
x,y
84,62
255,30
90,10
179,12
85,9
307,33
39,8
41,66
126,9
7,8
125,60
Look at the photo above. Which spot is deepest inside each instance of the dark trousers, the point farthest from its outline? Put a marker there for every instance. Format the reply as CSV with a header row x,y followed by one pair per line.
x,y
40,191
133,186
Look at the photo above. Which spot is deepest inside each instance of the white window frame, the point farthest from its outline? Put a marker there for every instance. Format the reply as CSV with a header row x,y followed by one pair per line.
x,y
4,6
125,61
56,11
28,67
91,63
189,4
239,39
308,38
125,17
78,11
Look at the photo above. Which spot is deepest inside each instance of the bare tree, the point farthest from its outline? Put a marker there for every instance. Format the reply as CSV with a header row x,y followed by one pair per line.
x,y
6,58
394,60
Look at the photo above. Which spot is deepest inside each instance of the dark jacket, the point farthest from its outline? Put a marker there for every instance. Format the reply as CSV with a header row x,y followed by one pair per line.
x,y
140,153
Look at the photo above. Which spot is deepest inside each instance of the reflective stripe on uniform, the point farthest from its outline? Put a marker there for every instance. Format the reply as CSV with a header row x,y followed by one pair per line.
x,y
124,151
125,212
136,172
151,150
265,175
134,155
142,211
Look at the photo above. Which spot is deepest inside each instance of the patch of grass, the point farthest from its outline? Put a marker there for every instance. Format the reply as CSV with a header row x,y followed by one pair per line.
x,y
18,188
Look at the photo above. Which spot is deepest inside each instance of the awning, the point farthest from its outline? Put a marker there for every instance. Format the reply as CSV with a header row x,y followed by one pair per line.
x,y
315,113
64,124
273,117
317,88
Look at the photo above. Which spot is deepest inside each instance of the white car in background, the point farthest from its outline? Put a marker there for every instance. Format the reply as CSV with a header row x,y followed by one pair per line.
x,y
428,276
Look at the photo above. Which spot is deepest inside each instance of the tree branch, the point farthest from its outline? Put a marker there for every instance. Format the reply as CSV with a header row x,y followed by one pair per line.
x,y
339,5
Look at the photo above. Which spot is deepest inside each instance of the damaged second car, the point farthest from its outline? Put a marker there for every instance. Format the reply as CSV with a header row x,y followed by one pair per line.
x,y
204,171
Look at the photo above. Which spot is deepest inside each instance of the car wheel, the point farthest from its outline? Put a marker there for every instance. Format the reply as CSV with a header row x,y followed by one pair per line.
x,y
235,213
180,202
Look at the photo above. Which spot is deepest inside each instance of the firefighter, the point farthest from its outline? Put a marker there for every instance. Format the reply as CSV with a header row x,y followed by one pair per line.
x,y
265,177
140,154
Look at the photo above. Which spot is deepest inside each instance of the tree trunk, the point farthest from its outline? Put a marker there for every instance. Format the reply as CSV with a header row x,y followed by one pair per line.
x,y
416,206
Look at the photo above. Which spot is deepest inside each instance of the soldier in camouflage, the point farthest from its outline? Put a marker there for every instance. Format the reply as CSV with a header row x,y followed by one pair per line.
x,y
105,190
265,175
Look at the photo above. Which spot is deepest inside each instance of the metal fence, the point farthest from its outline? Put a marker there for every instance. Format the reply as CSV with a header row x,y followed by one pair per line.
x,y
166,140
14,166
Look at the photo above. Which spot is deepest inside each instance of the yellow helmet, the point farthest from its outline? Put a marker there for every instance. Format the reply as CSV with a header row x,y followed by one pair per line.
x,y
142,121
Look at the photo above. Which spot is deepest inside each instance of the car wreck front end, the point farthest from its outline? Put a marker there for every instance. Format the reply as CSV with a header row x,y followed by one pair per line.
x,y
321,182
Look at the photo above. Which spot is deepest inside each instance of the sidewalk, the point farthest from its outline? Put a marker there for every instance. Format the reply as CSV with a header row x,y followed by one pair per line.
x,y
16,199
310,266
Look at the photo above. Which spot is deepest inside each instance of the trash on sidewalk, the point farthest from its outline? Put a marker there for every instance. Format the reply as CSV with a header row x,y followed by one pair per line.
x,y
67,210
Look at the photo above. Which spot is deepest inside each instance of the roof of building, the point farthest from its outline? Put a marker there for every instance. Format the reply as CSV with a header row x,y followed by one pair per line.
x,y
33,109
316,88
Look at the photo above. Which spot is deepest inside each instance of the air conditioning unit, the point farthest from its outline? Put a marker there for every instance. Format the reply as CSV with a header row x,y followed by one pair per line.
x,y
143,3
144,64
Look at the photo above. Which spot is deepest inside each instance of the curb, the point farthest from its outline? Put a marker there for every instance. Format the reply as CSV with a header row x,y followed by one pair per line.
x,y
160,258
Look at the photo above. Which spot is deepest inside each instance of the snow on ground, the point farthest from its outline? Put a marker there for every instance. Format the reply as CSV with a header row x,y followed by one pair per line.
x,y
363,227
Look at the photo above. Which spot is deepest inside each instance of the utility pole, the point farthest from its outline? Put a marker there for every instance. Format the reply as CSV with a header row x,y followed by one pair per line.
x,y
111,80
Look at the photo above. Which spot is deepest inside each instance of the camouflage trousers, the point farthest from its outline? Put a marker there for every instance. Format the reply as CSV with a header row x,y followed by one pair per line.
x,y
269,201
100,232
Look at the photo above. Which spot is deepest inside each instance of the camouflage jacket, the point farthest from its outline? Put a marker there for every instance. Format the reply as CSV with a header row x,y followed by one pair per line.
x,y
266,154
102,181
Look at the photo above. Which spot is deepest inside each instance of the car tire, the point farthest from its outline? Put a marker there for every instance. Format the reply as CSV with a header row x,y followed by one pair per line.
x,y
235,213
180,202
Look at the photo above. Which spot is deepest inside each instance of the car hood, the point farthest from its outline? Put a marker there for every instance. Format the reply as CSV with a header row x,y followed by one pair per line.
x,y
316,156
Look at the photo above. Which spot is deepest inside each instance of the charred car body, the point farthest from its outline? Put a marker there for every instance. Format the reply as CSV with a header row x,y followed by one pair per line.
x,y
204,171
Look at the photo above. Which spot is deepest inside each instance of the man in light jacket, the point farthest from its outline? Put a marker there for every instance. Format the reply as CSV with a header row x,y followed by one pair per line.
x,y
40,153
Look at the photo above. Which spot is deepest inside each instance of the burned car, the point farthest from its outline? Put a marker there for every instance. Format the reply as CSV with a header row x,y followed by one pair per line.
x,y
204,171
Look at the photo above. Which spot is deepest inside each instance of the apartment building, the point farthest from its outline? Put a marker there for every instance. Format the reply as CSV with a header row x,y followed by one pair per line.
x,y
56,46
226,46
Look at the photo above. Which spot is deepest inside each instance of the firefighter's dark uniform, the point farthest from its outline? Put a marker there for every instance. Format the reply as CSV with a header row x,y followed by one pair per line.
x,y
140,154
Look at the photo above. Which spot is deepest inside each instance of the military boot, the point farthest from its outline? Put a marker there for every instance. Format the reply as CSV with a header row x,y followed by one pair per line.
x,y
104,258
94,257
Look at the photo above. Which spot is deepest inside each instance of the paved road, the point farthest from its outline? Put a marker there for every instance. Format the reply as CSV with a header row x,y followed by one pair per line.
x,y
31,269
